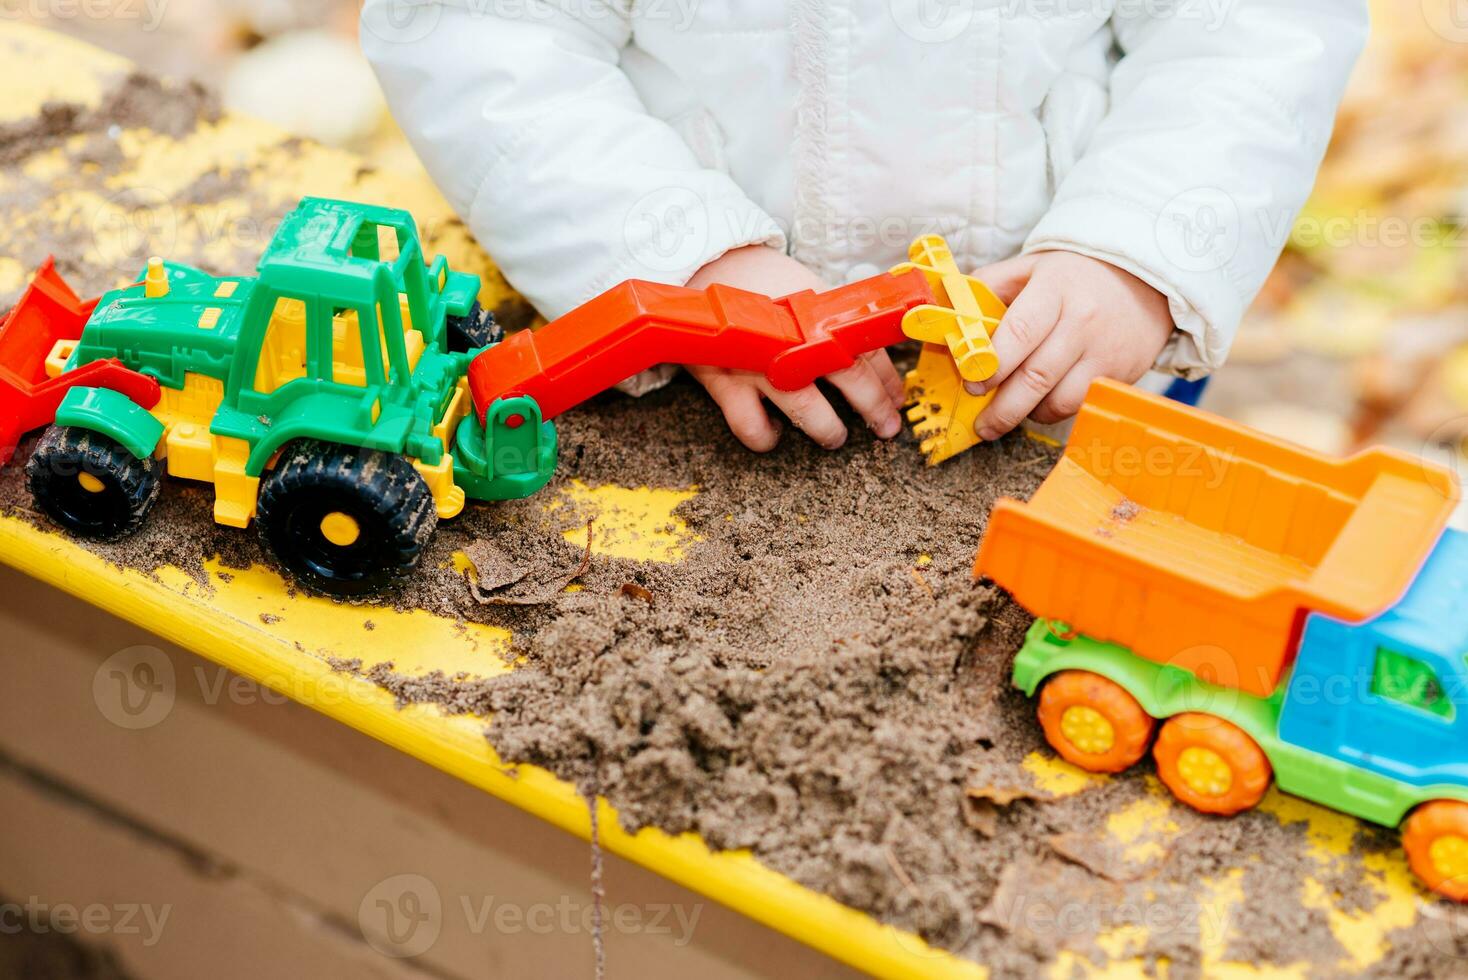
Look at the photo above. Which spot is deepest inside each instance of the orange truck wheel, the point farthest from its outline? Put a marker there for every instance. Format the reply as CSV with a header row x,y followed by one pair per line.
x,y
1210,764
1436,839
1093,722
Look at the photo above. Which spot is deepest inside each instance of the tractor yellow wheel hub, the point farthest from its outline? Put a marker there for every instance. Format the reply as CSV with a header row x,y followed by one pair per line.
x,y
1449,855
340,529
1087,729
1205,771
90,483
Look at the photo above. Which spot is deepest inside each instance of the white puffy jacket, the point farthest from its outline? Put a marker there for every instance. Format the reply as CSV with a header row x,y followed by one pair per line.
x,y
590,141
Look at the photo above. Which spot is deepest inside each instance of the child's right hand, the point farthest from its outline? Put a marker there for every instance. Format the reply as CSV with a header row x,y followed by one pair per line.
x,y
871,386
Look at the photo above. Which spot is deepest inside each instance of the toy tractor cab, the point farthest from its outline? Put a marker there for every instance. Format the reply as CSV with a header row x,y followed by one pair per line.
x,y
322,396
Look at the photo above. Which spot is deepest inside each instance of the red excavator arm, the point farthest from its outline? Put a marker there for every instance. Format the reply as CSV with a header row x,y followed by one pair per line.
x,y
793,340
48,313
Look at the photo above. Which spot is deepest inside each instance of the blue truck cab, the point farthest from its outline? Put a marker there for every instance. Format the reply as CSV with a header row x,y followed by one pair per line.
x,y
1390,695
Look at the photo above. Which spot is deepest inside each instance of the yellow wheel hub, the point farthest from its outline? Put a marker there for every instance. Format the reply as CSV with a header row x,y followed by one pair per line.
x,y
1087,729
1205,771
90,483
1449,855
340,529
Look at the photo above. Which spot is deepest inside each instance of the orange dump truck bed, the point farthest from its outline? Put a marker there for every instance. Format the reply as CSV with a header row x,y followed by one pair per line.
x,y
1194,541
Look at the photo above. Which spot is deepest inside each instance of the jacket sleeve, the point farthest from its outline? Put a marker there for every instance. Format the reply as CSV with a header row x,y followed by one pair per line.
x,y
524,118
1220,115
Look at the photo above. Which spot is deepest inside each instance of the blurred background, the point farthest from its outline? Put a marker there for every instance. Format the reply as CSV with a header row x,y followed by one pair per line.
x,y
1360,336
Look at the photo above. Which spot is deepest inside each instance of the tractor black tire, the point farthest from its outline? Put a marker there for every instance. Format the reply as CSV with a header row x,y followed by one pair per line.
x,y
90,484
345,521
474,330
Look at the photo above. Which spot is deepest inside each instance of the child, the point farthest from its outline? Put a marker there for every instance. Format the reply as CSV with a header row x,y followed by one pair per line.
x,y
1122,172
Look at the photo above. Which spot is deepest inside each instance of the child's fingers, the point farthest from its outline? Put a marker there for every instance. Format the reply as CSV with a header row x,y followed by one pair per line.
x,y
808,410
1029,385
1008,278
744,411
887,374
1024,328
1065,400
865,392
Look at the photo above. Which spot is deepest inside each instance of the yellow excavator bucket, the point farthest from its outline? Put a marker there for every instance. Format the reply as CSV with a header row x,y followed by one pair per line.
x,y
957,335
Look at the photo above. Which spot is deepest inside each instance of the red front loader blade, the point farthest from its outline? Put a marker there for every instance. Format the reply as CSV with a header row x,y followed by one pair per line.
x,y
49,312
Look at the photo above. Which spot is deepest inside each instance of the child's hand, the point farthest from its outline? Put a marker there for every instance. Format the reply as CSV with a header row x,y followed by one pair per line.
x,y
1071,319
871,385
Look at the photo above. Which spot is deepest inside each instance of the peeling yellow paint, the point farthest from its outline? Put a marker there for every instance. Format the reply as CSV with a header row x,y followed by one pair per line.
x,y
1328,834
53,71
462,565
1124,941
1069,965
1362,933
1220,900
420,641
1143,825
637,524
1057,777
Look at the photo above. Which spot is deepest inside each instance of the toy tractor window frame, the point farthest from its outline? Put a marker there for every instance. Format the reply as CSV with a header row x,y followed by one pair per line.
x,y
270,302
378,327
412,278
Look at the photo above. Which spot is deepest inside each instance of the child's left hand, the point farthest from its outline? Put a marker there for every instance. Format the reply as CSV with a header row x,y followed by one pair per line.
x,y
1071,319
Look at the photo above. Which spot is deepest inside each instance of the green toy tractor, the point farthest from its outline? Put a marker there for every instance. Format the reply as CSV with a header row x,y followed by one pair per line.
x,y
325,398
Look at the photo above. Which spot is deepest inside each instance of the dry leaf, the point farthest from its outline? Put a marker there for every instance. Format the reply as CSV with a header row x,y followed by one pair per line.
x,y
636,591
